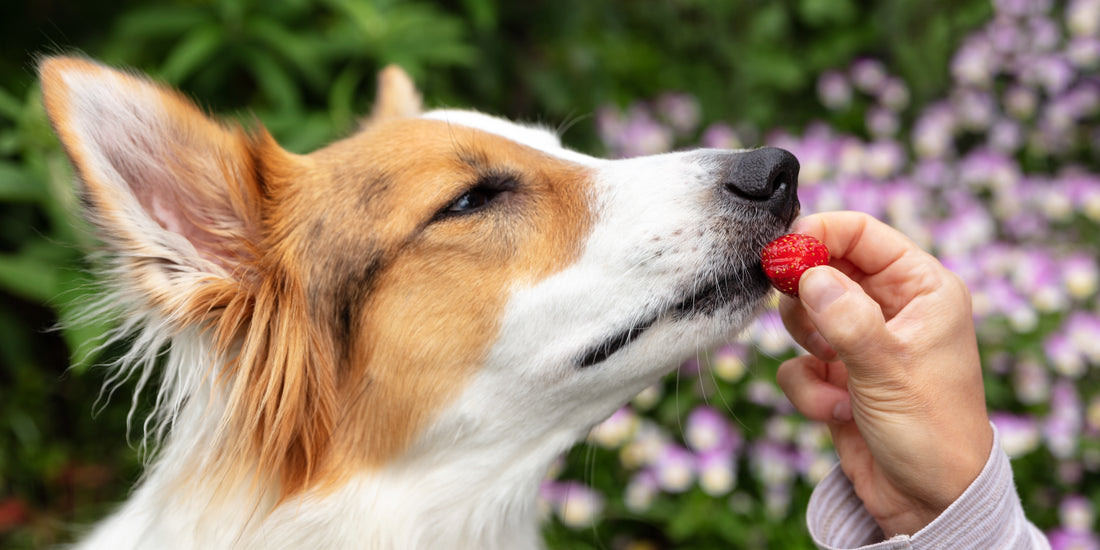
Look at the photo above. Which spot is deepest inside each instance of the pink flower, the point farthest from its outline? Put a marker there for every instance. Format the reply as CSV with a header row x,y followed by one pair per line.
x,y
707,429
834,90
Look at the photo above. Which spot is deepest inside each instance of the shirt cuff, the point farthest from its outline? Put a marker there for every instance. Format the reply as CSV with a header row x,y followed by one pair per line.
x,y
987,515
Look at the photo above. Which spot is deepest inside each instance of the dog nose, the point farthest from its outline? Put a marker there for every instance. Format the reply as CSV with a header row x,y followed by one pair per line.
x,y
767,176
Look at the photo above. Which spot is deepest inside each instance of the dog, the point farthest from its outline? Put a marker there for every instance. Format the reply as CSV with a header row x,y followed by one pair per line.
x,y
386,342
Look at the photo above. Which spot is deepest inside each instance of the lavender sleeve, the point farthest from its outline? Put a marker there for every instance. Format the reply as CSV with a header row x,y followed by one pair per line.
x,y
987,515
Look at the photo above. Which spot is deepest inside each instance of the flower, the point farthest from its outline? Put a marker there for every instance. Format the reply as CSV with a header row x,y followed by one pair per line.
x,y
721,136
577,504
641,490
1031,381
1019,434
1076,512
1066,419
834,90
617,430
675,468
868,75
728,362
1069,539
707,430
680,111
717,471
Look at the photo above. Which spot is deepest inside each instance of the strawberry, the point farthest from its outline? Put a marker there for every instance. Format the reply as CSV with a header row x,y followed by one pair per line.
x,y
788,257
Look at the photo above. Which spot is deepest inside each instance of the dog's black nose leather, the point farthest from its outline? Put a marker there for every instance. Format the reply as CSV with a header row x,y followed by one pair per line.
x,y
767,176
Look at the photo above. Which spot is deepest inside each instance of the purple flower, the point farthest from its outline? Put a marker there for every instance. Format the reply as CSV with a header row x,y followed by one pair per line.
x,y
1063,425
675,468
1031,381
617,430
1020,101
934,131
641,490
717,471
868,75
1055,73
1043,31
1019,434
1077,513
707,429
1083,329
1006,136
882,122
680,111
641,135
975,109
721,136
768,334
883,158
1037,275
834,90
1083,18
989,169
728,362
577,504
1063,355
894,94
974,63
1070,539
772,463
864,196
649,442
1084,52
1018,8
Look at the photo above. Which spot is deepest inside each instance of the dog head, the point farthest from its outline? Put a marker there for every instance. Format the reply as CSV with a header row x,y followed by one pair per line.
x,y
436,282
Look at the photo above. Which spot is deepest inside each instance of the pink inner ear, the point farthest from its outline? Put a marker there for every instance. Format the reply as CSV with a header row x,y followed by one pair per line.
x,y
174,191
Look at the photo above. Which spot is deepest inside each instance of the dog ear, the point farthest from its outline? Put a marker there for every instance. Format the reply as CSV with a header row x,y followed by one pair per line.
x,y
179,200
397,96
175,196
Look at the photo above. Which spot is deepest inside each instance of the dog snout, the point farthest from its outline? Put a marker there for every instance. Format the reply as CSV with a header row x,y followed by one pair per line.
x,y
767,176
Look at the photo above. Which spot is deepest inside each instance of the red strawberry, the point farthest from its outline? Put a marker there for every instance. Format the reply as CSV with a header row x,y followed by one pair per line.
x,y
786,258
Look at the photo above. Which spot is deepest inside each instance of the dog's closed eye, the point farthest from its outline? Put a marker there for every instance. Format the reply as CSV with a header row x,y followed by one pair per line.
x,y
489,188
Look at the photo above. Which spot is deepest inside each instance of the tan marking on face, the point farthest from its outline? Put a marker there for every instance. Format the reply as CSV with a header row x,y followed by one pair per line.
x,y
421,296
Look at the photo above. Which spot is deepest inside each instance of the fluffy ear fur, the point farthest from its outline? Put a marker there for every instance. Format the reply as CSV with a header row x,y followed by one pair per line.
x,y
397,96
179,201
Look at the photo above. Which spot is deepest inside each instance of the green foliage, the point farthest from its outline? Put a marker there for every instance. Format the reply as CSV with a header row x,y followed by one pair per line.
x,y
305,68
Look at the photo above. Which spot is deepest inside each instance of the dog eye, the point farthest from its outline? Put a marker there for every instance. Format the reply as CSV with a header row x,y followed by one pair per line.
x,y
487,190
471,200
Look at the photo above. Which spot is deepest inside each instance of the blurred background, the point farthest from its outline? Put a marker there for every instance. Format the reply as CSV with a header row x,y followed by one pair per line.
x,y
971,125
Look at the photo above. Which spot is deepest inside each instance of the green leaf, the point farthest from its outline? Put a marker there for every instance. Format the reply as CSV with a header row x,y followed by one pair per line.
x,y
341,97
10,106
18,185
279,87
162,21
31,277
294,47
192,52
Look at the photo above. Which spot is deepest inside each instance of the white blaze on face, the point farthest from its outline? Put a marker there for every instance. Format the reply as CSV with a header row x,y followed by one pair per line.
x,y
660,236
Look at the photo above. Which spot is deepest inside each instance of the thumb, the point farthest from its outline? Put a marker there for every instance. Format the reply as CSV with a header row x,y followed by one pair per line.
x,y
846,317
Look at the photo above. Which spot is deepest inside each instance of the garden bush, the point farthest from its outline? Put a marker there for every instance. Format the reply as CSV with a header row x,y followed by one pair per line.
x,y
971,126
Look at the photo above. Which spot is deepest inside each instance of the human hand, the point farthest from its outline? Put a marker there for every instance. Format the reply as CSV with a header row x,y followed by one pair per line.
x,y
893,369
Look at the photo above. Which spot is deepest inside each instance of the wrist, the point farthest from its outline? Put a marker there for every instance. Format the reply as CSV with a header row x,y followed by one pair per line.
x,y
923,500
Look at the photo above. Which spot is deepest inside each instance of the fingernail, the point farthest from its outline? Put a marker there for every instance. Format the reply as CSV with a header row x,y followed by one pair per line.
x,y
842,412
819,288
